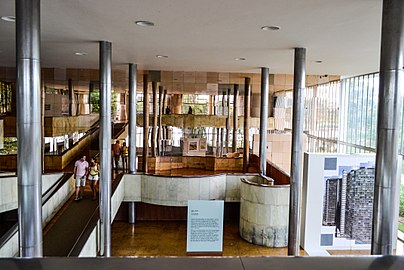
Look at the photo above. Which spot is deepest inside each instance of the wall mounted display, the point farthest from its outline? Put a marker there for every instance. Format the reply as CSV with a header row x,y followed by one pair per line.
x,y
337,203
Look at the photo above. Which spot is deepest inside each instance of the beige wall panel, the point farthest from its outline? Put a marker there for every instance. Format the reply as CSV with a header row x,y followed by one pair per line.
x,y
224,77
166,76
178,76
189,77
279,79
200,88
178,87
189,88
236,78
213,77
201,77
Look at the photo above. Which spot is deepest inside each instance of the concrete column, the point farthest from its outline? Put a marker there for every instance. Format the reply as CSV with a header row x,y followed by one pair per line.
x,y
145,122
29,155
222,129
247,94
218,133
390,105
235,118
297,153
132,117
210,105
176,102
264,119
105,142
154,129
160,126
228,121
71,96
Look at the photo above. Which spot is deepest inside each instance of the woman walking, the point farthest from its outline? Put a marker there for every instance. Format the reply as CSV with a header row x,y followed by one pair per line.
x,y
93,176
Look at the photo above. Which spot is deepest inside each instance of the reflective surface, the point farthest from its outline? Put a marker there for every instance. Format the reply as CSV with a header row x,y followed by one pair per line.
x,y
296,169
29,128
105,143
264,119
390,104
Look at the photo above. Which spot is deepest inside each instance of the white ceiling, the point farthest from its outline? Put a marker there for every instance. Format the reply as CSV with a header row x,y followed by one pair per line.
x,y
207,35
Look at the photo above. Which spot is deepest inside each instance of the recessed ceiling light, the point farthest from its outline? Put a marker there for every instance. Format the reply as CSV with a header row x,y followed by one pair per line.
x,y
8,18
318,61
144,23
239,59
80,53
161,56
270,27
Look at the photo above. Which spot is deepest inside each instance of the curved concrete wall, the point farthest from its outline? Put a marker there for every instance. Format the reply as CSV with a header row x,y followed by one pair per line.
x,y
264,214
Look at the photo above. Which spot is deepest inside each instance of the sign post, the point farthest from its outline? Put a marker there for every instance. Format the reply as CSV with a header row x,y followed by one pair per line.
x,y
205,227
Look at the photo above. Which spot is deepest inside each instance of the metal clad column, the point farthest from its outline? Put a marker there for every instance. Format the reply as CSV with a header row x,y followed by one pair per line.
x,y
105,141
29,127
145,122
247,93
235,116
264,118
297,142
390,104
132,117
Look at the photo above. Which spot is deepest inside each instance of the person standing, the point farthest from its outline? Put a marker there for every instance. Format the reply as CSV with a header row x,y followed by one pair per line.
x,y
80,175
125,155
93,176
116,151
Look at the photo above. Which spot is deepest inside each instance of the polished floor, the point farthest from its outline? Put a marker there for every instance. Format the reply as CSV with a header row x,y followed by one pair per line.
x,y
168,238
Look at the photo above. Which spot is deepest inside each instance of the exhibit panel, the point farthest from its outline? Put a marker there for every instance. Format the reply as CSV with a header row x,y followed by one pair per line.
x,y
337,202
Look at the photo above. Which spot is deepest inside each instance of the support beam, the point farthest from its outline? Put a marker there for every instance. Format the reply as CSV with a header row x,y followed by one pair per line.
x,y
29,156
264,119
390,104
105,142
132,117
297,153
235,118
145,122
247,107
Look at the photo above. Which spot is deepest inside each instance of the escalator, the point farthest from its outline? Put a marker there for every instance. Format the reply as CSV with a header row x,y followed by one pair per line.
x,y
61,234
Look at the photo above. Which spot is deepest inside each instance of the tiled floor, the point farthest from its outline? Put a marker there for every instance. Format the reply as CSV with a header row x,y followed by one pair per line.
x,y
168,238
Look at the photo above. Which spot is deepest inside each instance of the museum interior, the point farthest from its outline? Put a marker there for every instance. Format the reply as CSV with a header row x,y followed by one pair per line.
x,y
234,135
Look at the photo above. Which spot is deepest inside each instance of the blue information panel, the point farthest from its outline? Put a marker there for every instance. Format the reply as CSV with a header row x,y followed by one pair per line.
x,y
205,226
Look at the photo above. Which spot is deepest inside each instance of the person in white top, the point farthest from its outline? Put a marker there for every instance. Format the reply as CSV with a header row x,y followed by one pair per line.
x,y
80,174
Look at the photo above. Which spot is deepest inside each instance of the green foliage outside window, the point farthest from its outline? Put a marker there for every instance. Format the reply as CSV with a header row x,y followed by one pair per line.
x,y
95,101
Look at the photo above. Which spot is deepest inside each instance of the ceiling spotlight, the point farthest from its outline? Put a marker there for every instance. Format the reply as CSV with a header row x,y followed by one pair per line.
x,y
8,18
318,61
239,59
272,28
161,56
144,23
80,53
